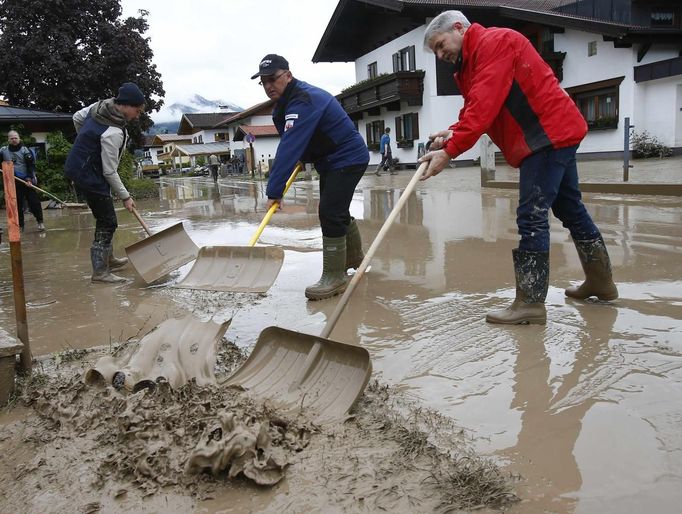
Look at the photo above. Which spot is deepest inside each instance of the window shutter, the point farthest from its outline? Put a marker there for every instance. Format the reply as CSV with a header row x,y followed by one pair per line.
x,y
415,126
398,128
410,52
396,58
368,132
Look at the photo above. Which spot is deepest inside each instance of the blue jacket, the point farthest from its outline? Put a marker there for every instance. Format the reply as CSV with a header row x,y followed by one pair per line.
x,y
24,162
93,161
313,128
384,142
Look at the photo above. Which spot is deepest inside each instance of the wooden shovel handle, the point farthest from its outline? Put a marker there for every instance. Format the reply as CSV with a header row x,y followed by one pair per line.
x,y
38,189
139,218
274,207
372,250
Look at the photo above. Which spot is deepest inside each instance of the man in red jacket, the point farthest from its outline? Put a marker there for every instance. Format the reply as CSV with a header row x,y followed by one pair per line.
x,y
511,94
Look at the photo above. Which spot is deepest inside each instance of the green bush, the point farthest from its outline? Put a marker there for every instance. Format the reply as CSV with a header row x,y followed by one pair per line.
x,y
143,188
646,145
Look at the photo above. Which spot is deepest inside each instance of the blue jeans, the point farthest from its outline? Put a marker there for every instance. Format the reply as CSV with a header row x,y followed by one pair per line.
x,y
549,179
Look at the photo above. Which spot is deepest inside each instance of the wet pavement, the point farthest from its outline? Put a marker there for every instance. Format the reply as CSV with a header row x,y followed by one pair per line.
x,y
586,410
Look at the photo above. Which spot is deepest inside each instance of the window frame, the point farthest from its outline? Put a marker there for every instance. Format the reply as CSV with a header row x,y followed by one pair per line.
x,y
372,70
407,122
404,59
590,95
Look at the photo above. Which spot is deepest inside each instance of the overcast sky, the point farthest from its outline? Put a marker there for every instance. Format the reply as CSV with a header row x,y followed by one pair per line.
x,y
212,47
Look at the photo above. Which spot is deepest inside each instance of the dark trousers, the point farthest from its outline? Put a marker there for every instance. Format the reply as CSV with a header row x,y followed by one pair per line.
x,y
336,193
28,194
102,208
386,161
549,179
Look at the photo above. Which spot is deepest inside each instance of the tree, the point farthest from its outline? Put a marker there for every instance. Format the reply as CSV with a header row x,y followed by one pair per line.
x,y
61,55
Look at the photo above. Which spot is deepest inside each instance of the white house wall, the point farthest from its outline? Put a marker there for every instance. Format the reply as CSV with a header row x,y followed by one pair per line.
x,y
437,113
652,106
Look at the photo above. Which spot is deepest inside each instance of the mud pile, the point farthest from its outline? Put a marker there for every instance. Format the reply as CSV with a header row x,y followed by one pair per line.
x,y
181,449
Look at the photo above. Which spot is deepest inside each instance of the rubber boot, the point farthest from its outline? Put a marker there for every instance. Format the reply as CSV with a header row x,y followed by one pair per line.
x,y
116,262
333,279
99,255
532,280
597,267
354,253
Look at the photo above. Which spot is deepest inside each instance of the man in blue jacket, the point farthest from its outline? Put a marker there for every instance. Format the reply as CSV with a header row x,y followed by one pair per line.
x,y
25,169
314,128
385,150
92,164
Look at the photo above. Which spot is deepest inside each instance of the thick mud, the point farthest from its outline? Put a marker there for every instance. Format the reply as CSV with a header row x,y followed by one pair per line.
x,y
583,411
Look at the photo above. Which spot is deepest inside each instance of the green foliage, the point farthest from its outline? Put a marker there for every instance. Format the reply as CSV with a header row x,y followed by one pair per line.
x,y
646,145
143,188
50,170
201,160
62,56
364,83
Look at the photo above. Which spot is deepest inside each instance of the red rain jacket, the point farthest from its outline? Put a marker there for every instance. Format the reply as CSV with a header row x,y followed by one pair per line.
x,y
511,94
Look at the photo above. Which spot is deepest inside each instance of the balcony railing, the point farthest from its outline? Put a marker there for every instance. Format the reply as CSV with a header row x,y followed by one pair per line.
x,y
407,86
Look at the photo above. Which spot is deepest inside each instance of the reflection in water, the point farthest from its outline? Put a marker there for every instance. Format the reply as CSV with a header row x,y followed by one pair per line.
x,y
544,452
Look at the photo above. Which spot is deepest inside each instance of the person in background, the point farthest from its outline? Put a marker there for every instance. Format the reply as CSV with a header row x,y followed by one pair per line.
x,y
314,128
214,164
25,169
92,165
385,150
511,94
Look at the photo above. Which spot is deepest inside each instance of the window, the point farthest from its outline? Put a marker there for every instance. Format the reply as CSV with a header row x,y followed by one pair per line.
x,y
591,48
372,70
220,136
374,131
406,129
404,60
445,83
663,18
598,103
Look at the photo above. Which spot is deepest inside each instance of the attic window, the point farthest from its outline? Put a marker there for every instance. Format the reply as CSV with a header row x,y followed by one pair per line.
x,y
662,18
591,48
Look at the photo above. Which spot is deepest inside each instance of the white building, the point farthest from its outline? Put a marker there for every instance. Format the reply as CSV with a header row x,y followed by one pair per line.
x,y
617,58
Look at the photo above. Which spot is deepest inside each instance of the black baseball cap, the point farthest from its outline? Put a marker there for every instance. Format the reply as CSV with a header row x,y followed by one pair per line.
x,y
270,64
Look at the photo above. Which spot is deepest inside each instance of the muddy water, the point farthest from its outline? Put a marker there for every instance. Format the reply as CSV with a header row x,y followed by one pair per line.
x,y
586,409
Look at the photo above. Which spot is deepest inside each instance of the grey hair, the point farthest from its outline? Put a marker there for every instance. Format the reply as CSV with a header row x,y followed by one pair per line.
x,y
13,132
443,23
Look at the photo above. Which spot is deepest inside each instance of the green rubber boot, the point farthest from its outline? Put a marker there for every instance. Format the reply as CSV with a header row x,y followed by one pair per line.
x,y
354,253
99,255
333,279
531,270
597,267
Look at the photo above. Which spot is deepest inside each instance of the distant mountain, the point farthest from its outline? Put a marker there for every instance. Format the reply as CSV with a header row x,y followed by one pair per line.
x,y
198,103
164,127
172,113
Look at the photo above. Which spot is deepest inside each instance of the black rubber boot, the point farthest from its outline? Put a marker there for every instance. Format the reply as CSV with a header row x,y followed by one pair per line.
x,y
597,267
532,280
99,255
354,253
333,279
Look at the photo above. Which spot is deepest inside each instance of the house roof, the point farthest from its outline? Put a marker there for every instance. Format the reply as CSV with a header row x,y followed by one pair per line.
x,y
360,26
256,130
263,108
194,122
202,149
7,112
149,140
161,139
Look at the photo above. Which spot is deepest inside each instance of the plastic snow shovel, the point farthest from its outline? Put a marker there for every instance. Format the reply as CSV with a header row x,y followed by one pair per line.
x,y
62,203
161,253
247,269
299,371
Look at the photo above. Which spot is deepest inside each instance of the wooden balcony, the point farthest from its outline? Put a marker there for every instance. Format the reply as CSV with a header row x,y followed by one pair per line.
x,y
369,95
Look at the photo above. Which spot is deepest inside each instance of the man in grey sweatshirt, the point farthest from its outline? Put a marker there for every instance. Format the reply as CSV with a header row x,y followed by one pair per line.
x,y
92,164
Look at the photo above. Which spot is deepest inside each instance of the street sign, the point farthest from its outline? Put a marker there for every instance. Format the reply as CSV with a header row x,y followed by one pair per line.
x,y
249,138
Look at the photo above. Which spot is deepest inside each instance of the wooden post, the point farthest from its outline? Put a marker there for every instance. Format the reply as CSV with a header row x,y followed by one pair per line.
x,y
487,159
17,265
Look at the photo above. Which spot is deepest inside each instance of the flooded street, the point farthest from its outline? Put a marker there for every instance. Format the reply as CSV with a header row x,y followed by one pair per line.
x,y
586,409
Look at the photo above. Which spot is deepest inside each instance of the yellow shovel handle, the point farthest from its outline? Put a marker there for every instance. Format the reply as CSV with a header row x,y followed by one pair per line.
x,y
274,207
